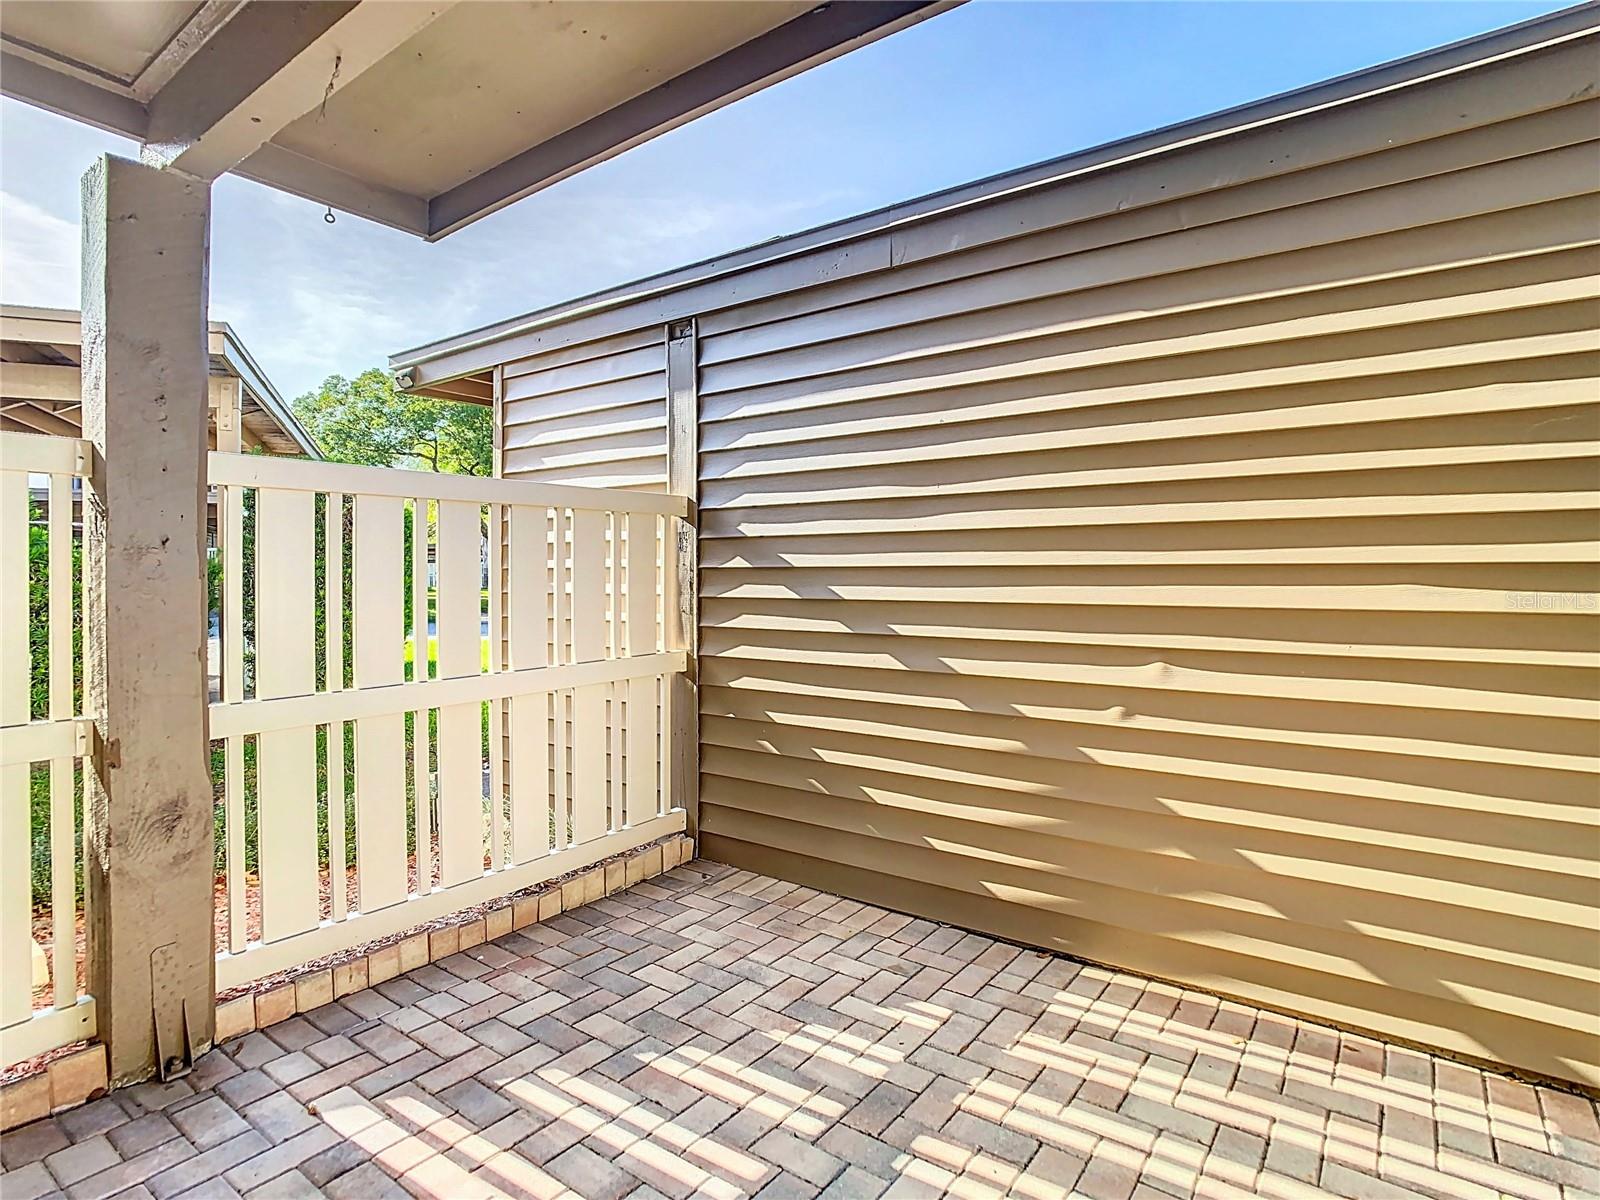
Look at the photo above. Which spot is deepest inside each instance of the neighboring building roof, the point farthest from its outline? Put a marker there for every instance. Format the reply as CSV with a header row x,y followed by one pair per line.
x,y
459,362
420,114
40,387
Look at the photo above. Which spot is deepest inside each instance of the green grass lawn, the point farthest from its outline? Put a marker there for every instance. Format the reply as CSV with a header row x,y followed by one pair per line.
x,y
433,654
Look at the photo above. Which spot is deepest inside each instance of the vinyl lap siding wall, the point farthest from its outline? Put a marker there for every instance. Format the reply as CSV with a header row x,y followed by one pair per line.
x,y
1190,566
592,414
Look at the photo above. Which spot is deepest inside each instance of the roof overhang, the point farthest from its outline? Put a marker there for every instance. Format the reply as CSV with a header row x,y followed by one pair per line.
x,y
40,378
878,240
420,114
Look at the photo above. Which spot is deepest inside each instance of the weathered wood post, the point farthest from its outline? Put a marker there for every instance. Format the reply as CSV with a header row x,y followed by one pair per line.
x,y
147,799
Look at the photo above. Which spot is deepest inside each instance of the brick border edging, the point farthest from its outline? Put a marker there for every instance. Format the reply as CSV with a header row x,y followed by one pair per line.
x,y
64,1082
319,986
80,1076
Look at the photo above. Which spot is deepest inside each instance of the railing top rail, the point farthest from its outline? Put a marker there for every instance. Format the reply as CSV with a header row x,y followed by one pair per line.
x,y
44,454
240,717
291,474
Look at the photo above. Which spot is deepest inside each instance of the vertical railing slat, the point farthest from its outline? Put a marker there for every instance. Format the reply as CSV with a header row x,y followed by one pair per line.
x,y
286,768
379,654
59,563
528,600
16,932
616,693
641,627
63,885
230,502
670,640
460,730
63,822
496,514
588,703
333,681
561,652
423,810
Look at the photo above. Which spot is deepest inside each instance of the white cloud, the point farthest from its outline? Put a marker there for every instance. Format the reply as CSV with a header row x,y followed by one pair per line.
x,y
338,299
38,254
311,299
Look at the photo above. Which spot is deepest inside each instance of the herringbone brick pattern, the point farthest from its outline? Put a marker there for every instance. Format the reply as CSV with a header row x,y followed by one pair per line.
x,y
722,1034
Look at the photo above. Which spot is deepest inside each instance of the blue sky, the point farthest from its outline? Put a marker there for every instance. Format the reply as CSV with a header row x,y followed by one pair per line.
x,y
993,85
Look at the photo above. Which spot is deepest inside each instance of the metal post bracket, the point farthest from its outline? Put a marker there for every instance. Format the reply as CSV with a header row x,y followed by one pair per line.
x,y
169,1010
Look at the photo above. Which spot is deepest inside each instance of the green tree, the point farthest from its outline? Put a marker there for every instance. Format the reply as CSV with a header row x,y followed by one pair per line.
x,y
370,422
464,438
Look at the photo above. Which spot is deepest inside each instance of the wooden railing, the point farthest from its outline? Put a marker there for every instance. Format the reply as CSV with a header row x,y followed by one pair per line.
x,y
380,767
43,739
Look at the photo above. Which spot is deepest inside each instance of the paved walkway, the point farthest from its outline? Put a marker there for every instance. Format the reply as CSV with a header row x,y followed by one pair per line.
x,y
718,1033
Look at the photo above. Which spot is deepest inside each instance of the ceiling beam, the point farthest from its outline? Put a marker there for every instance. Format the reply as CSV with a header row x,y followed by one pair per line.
x,y
823,33
272,63
298,175
55,90
40,381
45,326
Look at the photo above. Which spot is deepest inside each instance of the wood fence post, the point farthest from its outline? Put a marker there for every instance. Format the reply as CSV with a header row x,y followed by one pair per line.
x,y
681,617
148,861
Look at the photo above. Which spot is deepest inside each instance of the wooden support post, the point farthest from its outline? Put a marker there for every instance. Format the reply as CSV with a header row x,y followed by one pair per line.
x,y
681,592
148,803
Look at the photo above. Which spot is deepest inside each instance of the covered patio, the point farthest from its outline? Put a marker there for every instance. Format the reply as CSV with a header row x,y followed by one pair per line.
x,y
125,791
1172,555
720,1033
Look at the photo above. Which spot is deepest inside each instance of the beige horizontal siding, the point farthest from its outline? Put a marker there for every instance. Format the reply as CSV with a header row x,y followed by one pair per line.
x,y
592,413
1190,566
1147,587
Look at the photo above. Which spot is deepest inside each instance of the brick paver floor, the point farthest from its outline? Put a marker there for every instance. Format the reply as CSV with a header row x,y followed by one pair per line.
x,y
718,1033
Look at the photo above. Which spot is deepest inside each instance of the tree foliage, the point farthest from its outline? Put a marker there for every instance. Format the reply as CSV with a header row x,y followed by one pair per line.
x,y
370,422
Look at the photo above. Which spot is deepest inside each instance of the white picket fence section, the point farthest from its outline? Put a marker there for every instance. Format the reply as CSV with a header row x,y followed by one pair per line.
x,y
570,662
37,476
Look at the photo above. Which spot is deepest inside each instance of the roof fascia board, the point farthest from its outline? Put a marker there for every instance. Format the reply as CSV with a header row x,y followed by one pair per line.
x,y
35,312
695,287
656,306
250,375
